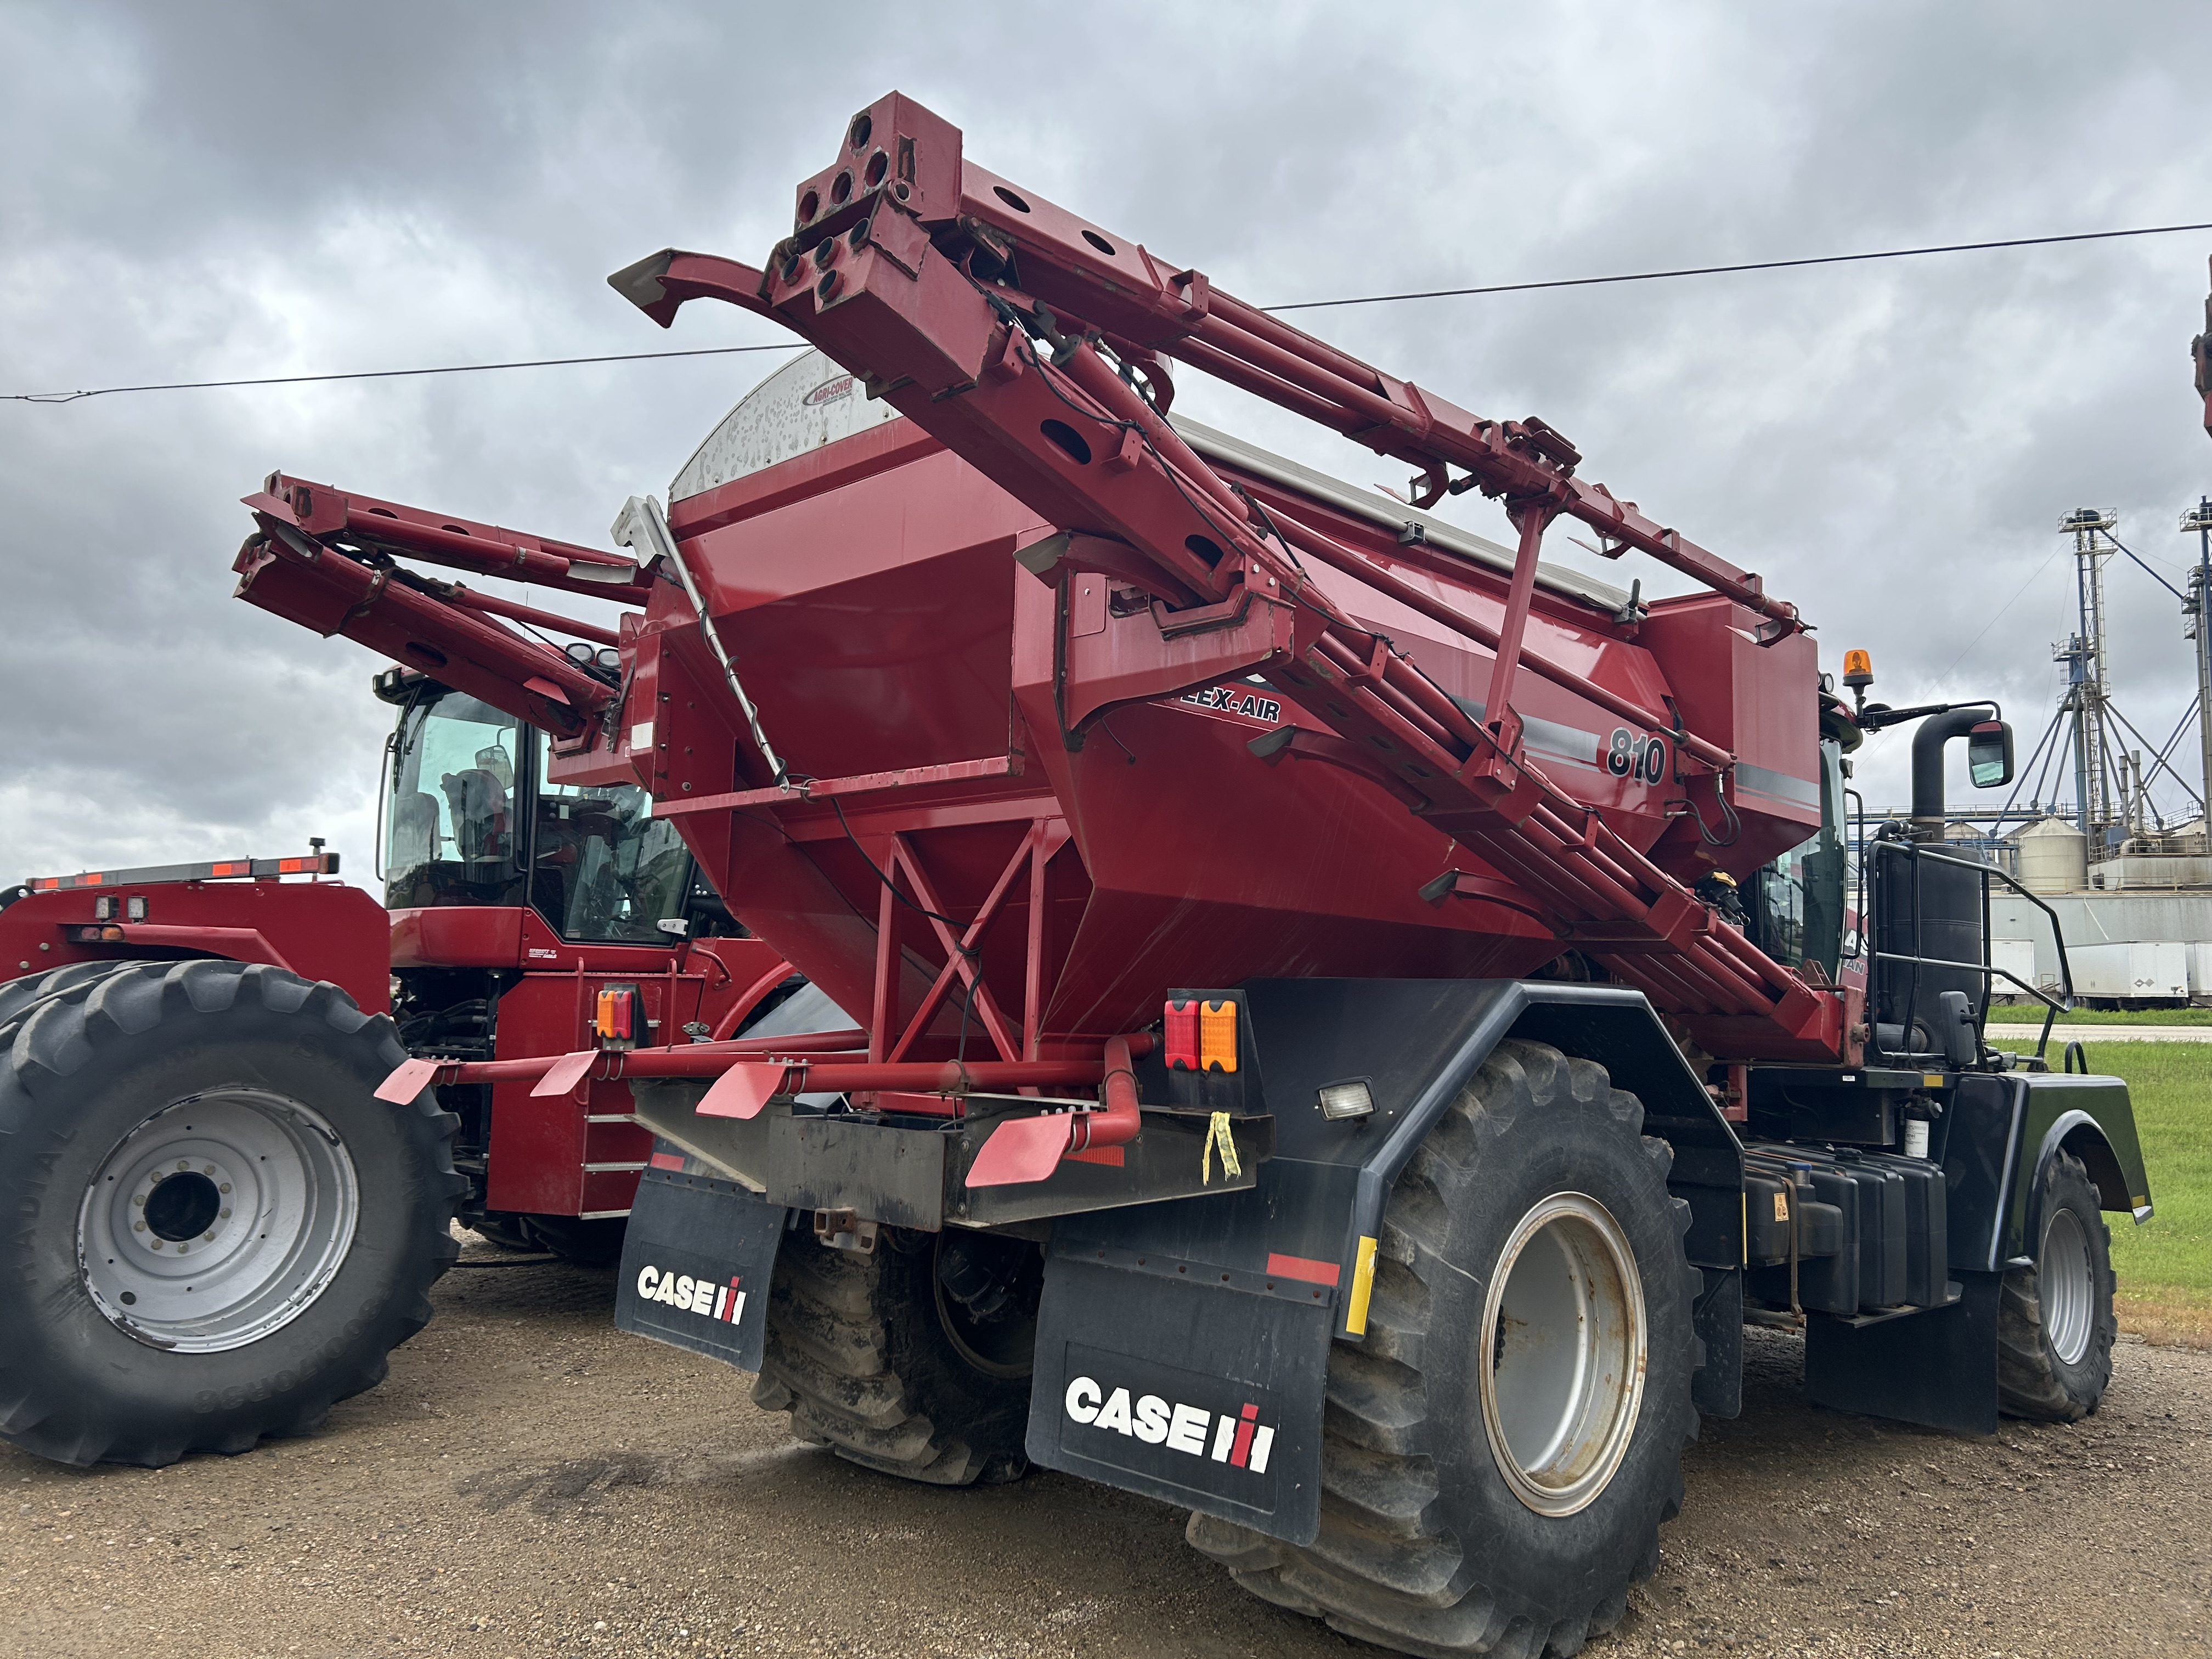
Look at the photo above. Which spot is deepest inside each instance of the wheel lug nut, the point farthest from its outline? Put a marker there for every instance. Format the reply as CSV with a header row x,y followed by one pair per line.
x,y
209,1235
184,1163
224,1187
210,1170
139,1227
225,1216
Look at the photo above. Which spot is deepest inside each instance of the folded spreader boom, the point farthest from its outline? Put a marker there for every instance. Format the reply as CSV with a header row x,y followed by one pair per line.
x,y
1028,342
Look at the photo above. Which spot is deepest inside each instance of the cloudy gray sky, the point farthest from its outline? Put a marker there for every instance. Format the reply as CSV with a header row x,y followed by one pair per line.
x,y
212,191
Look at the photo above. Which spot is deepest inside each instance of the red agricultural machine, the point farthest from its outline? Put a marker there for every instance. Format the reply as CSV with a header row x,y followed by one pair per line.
x,y
188,1120
1352,1020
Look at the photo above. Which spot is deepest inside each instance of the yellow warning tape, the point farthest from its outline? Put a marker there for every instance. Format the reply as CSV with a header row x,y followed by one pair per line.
x,y
1218,1134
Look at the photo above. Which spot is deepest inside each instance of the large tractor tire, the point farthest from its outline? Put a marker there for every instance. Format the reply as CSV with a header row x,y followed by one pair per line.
x,y
1500,1452
914,1360
2055,1319
212,1231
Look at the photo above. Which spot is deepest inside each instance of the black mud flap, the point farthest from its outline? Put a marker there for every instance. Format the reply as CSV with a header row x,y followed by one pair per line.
x,y
1717,1388
1937,1368
1188,1382
696,1260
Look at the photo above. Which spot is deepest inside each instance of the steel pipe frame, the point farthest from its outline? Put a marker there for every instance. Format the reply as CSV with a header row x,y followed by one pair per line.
x,y
374,610
1309,539
1392,416
329,514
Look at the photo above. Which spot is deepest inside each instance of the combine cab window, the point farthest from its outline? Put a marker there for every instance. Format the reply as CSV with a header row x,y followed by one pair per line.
x,y
1797,907
450,820
602,866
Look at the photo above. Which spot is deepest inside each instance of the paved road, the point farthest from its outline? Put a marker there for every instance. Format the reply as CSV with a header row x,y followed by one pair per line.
x,y
2000,1035
530,1482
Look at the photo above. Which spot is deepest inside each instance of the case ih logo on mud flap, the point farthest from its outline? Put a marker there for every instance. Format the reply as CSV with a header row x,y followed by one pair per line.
x,y
705,1297
1209,1433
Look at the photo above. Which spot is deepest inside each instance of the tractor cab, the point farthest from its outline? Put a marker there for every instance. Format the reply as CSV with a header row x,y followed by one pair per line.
x,y
469,817
528,918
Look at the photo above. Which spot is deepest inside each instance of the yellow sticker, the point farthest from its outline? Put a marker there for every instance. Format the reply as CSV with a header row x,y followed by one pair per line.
x,y
1362,1284
1781,1207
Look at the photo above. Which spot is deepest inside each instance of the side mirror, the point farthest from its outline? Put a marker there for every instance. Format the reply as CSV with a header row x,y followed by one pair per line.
x,y
1989,755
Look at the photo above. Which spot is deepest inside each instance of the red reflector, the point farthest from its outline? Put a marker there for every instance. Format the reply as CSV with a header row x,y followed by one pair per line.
x,y
234,868
1304,1267
1181,1048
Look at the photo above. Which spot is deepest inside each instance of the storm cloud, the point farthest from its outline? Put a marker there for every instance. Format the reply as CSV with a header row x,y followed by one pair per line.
x,y
235,190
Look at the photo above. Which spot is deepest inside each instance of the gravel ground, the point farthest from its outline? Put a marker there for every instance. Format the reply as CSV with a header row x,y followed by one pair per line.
x,y
530,1482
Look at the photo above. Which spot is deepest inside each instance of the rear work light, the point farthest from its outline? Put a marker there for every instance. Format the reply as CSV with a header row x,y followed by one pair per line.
x,y
1201,1036
1339,1101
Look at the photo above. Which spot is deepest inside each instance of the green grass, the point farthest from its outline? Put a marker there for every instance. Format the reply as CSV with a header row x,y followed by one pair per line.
x,y
2164,1266
2031,1013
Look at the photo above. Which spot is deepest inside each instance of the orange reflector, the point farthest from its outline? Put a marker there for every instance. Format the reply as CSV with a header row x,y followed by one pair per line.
x,y
615,1017
1217,1036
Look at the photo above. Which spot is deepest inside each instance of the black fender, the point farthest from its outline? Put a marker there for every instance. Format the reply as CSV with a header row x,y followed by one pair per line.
x,y
2006,1128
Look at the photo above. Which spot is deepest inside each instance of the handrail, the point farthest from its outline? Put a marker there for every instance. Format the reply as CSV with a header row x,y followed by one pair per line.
x,y
1875,955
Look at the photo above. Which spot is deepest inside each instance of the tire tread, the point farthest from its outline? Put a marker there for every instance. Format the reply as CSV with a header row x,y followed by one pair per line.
x,y
1386,1568
51,1028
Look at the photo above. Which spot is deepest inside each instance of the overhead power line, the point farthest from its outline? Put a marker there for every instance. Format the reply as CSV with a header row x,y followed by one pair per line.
x,y
1757,264
1300,305
387,373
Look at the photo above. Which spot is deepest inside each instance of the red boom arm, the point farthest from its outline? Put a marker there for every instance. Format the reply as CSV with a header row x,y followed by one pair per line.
x,y
1022,338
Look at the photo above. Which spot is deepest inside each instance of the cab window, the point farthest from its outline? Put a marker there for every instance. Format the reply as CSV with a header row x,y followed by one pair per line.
x,y
602,866
1797,901
450,812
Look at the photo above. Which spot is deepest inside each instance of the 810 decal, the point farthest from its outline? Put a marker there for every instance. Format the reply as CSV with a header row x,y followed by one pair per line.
x,y
1637,755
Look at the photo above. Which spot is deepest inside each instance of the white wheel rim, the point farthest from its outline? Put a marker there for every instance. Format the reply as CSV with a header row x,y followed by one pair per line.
x,y
219,1219
2068,1286
1562,1354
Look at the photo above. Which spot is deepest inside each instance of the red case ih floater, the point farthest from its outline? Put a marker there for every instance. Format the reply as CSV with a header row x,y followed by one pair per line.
x,y
1355,1019
193,1050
